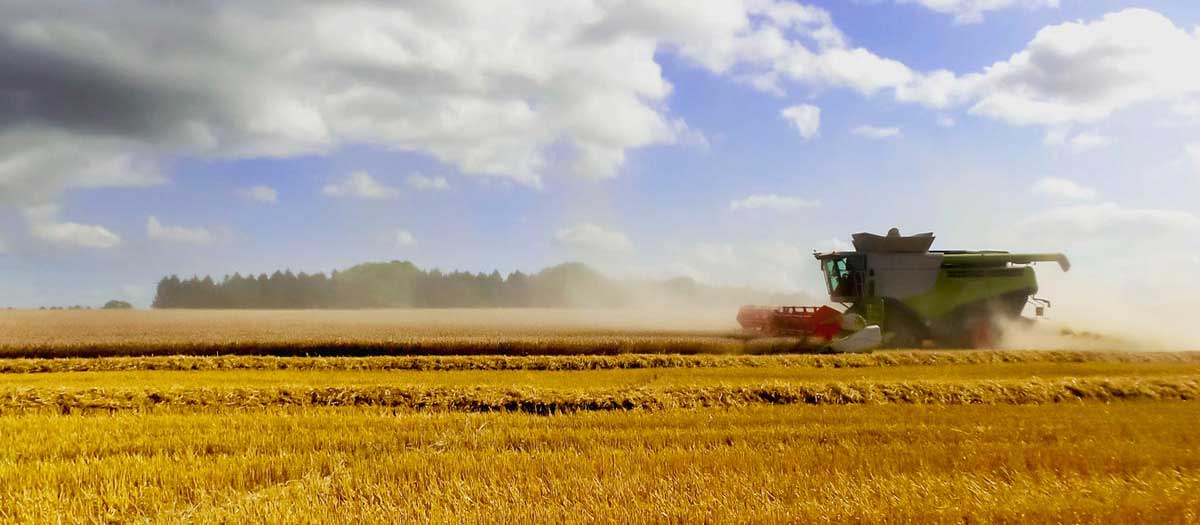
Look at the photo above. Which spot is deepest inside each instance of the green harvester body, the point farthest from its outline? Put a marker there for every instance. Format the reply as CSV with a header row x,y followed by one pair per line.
x,y
952,298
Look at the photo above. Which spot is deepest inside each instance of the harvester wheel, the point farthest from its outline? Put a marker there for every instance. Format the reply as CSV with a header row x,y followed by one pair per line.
x,y
900,328
983,333
901,332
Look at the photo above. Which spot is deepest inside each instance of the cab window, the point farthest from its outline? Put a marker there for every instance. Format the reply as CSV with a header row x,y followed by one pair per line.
x,y
832,273
841,282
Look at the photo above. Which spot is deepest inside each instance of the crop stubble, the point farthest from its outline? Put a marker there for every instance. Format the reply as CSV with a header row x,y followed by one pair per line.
x,y
603,421
1126,462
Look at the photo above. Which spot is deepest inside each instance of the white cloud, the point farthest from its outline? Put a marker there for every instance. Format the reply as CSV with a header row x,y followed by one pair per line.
x,y
100,99
947,122
309,77
1188,109
1065,189
37,163
857,69
160,232
588,236
1078,142
972,11
939,89
1110,221
1193,152
43,225
1086,141
422,182
805,117
360,185
1056,137
72,233
772,202
265,194
1072,73
1083,72
404,238
688,136
876,133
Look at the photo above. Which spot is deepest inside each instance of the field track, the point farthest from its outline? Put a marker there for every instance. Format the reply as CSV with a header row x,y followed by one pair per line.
x,y
563,345
541,401
583,362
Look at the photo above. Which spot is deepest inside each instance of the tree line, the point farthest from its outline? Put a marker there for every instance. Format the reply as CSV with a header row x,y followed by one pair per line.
x,y
401,284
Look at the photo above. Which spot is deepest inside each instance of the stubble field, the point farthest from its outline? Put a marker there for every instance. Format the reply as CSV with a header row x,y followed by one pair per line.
x,y
570,416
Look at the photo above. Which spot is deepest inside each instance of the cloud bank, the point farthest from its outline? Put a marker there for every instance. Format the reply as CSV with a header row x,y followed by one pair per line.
x,y
772,202
593,238
360,185
88,99
1064,189
877,132
805,117
160,232
424,183
265,194
45,226
972,11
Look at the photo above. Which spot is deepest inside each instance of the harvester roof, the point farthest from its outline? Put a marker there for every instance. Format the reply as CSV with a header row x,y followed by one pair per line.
x,y
894,243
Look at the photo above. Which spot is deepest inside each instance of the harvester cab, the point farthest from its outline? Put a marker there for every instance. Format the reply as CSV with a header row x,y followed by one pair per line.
x,y
914,295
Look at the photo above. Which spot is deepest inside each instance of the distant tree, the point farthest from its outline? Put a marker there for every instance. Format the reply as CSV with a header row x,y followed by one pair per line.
x,y
117,305
169,293
401,284
516,290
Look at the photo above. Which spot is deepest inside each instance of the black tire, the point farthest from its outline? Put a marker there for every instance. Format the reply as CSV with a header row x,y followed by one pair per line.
x,y
901,328
982,325
899,332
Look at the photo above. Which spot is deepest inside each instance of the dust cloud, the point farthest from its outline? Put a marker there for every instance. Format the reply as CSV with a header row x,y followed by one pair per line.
x,y
1055,335
1112,311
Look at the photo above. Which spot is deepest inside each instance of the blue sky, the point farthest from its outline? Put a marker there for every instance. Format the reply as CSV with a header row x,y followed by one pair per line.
x,y
423,145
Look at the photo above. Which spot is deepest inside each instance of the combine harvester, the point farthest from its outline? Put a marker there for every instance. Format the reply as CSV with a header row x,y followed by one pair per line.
x,y
898,293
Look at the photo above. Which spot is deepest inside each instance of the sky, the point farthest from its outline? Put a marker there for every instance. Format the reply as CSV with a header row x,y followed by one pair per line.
x,y
723,140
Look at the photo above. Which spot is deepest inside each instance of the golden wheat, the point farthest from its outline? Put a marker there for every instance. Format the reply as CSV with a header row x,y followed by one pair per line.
x,y
547,401
563,417
577,379
1078,463
583,362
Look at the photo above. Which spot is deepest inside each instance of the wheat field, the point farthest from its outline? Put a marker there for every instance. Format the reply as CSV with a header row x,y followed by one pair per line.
x,y
1128,462
571,417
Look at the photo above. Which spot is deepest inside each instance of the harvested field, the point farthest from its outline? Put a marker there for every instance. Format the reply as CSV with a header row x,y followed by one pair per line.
x,y
584,361
1081,463
543,401
598,378
304,417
